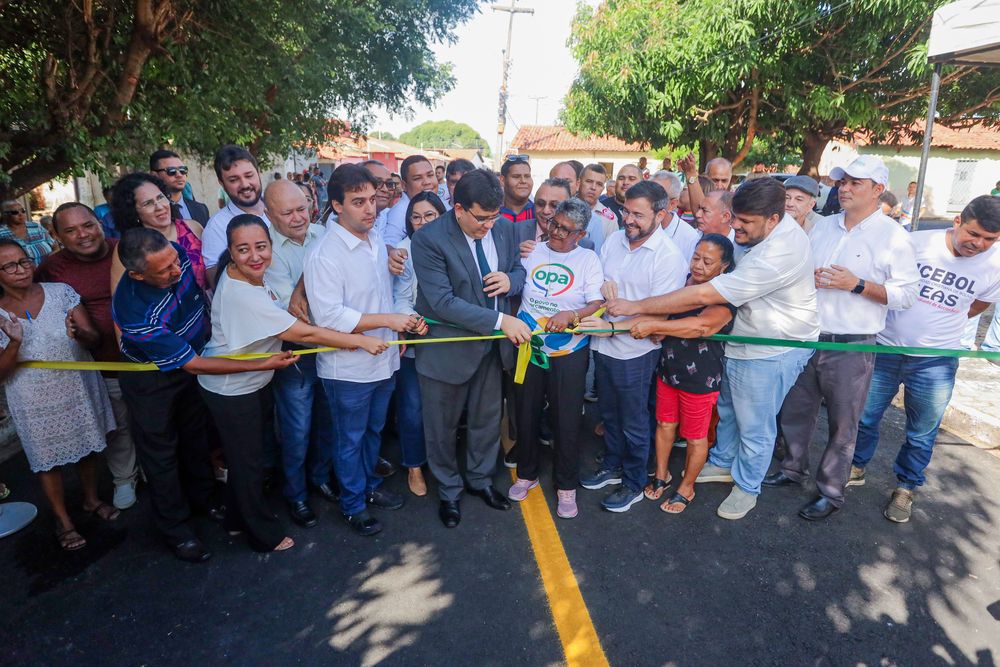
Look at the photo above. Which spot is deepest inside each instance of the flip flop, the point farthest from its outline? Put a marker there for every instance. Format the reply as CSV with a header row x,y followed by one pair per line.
x,y
657,487
676,499
70,540
103,511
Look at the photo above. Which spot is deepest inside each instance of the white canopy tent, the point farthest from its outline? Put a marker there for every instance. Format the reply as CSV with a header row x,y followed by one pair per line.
x,y
966,32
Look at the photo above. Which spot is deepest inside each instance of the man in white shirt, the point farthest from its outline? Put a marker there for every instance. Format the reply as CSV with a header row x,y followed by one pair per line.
x,y
865,268
774,290
299,400
959,277
639,261
239,177
468,268
350,289
417,174
681,233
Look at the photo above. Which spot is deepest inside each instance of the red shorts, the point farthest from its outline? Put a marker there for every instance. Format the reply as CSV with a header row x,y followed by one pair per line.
x,y
692,411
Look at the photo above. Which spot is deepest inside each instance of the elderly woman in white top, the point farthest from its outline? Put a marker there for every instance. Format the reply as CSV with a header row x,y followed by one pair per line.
x,y
422,209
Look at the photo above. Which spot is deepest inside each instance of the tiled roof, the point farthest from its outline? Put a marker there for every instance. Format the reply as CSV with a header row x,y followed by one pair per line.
x,y
978,137
557,138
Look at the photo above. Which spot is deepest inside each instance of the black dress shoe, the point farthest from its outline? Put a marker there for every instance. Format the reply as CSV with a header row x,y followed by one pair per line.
x,y
217,513
493,498
363,523
302,514
192,551
779,479
818,509
327,492
450,513
384,469
384,499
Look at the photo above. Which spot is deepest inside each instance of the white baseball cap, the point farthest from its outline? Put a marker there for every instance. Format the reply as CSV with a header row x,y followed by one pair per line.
x,y
865,166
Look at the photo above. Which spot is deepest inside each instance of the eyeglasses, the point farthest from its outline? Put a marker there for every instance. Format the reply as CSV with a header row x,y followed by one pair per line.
x,y
11,267
558,230
173,171
15,211
517,158
387,183
485,219
153,203
430,216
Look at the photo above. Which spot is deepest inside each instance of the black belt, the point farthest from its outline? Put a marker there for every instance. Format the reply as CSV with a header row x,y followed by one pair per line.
x,y
844,338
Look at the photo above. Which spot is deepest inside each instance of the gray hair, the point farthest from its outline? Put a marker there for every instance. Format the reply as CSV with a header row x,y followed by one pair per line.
x,y
670,182
136,244
558,183
577,211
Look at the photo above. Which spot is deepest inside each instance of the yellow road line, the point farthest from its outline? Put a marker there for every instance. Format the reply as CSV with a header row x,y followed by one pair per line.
x,y
581,645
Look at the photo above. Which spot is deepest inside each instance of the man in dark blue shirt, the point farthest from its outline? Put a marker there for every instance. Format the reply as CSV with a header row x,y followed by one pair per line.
x,y
161,313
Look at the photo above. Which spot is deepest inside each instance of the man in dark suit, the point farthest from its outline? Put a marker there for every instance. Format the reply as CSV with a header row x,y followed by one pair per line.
x,y
169,168
468,268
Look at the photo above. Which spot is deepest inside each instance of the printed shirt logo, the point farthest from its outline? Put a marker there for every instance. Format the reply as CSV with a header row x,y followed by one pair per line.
x,y
552,279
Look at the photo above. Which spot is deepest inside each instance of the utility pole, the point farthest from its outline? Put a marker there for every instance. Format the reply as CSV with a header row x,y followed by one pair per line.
x,y
502,107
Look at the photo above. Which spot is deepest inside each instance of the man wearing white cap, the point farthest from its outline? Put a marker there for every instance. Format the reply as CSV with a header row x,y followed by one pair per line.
x,y
865,267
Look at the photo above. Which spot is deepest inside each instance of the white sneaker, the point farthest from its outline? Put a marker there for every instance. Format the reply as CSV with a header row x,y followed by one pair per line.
x,y
124,495
737,505
711,473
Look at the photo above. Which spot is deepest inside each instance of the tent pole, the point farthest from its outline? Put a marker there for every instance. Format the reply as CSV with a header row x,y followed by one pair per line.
x,y
925,152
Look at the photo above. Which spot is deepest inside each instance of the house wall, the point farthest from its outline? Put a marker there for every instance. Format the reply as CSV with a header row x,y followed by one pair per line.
x,y
543,161
942,164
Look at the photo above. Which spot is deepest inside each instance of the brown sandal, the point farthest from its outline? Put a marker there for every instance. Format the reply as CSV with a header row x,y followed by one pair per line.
x,y
70,540
103,511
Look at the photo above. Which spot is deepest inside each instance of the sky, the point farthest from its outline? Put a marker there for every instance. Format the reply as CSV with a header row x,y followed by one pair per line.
x,y
542,66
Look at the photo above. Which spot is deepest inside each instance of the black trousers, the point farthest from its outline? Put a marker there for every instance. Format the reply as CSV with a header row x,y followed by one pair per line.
x,y
170,427
241,421
563,384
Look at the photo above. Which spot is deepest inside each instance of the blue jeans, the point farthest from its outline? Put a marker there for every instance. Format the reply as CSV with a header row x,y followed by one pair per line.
x,y
303,412
409,414
751,394
927,384
358,410
623,400
992,341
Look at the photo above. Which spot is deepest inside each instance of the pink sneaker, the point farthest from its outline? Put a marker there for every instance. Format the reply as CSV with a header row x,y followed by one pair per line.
x,y
566,509
519,491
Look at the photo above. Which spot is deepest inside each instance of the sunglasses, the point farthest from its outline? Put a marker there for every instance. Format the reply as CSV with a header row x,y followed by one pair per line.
x,y
173,171
15,211
517,158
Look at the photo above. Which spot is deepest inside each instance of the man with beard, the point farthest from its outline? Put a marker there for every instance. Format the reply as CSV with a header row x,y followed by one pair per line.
x,y
515,178
640,261
169,168
628,176
239,177
774,290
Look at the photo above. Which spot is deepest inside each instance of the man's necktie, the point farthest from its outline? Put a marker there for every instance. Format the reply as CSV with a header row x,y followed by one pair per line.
x,y
484,270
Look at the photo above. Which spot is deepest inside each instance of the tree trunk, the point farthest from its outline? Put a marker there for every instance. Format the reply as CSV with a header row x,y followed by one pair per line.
x,y
707,150
813,145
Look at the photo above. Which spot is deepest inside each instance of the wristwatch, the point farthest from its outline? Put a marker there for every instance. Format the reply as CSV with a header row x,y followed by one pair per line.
x,y
859,288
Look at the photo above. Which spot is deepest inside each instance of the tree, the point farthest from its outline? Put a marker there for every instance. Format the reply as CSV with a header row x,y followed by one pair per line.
x,y
720,73
89,84
445,134
382,134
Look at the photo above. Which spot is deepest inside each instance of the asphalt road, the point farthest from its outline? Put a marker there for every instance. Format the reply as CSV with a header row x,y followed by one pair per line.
x,y
661,590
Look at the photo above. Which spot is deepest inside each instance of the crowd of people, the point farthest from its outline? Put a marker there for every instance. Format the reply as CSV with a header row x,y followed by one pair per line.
x,y
615,292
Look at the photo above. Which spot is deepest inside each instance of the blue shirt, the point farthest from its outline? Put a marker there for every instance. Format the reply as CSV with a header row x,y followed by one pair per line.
x,y
168,327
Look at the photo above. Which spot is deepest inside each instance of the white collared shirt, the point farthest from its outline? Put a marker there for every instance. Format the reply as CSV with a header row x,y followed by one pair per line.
x,y
381,222
347,277
876,250
395,225
287,259
683,235
774,290
654,268
213,239
490,248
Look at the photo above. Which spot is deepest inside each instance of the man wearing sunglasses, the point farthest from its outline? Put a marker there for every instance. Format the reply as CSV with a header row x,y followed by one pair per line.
x,y
169,168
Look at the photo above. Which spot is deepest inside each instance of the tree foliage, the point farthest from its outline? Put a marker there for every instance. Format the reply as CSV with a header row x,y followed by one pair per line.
x,y
719,73
88,84
445,134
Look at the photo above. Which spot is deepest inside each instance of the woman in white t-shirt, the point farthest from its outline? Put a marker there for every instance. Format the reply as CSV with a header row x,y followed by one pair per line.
x,y
563,285
246,319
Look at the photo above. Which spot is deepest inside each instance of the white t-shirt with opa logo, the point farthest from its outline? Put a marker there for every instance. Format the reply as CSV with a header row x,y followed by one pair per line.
x,y
559,281
948,286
